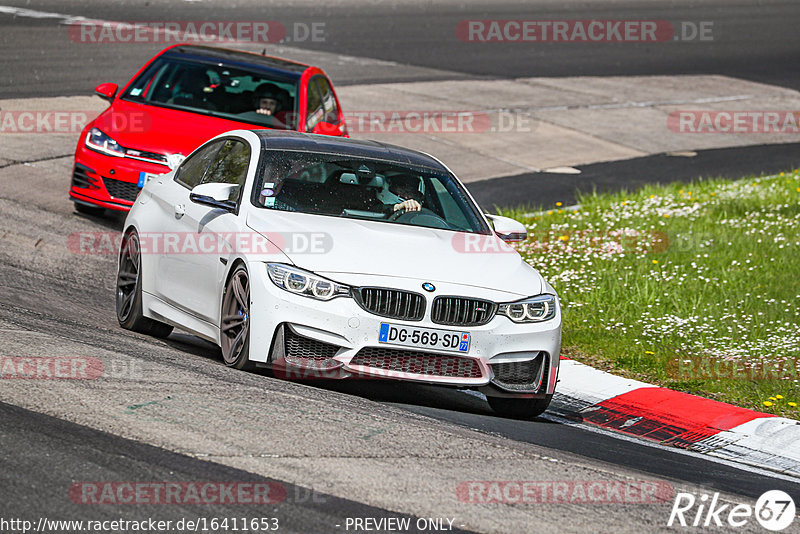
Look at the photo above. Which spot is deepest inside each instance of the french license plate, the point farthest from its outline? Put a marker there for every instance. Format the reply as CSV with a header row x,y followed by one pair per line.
x,y
427,338
145,177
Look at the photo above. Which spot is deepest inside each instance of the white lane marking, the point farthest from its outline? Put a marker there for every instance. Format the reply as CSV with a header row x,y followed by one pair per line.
x,y
22,12
73,19
648,104
33,14
281,48
562,170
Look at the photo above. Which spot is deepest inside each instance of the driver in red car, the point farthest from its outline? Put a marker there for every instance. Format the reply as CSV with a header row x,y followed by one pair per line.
x,y
266,99
270,103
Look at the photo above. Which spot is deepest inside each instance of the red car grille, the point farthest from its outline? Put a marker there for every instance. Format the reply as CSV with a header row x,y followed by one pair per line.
x,y
417,363
119,189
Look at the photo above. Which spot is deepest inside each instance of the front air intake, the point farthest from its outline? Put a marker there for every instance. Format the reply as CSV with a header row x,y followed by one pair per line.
x,y
520,376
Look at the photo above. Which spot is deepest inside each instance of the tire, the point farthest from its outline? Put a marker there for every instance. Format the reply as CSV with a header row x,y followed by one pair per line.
x,y
234,328
94,211
519,408
129,291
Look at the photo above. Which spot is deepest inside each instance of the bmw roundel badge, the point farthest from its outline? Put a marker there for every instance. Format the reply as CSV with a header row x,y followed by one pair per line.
x,y
427,286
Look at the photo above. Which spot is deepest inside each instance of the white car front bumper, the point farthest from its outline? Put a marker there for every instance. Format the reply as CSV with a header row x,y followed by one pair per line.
x,y
308,338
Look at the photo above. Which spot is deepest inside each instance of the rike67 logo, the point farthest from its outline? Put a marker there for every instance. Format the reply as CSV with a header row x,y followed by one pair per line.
x,y
774,510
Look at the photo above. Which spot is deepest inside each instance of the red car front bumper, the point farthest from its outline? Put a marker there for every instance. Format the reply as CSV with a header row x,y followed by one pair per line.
x,y
108,181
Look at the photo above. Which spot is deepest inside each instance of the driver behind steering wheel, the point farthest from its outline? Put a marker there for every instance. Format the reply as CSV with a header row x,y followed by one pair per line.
x,y
406,188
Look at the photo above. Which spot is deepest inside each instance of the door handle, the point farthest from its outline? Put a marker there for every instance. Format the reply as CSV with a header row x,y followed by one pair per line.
x,y
180,211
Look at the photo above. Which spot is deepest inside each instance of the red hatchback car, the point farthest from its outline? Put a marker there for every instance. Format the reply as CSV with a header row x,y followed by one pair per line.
x,y
184,96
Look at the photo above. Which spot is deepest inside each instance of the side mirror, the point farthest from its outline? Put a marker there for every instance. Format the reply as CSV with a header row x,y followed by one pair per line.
x,y
326,128
174,160
215,195
106,91
508,229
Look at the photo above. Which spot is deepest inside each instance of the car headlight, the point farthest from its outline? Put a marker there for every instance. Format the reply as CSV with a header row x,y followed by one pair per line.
x,y
96,139
304,283
531,310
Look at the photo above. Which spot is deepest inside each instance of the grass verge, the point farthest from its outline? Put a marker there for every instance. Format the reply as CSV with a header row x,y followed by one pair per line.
x,y
695,287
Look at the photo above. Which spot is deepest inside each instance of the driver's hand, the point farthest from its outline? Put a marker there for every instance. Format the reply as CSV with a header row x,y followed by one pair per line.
x,y
408,205
262,111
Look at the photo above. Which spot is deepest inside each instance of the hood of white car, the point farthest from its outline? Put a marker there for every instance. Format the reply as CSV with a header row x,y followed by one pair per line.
x,y
331,245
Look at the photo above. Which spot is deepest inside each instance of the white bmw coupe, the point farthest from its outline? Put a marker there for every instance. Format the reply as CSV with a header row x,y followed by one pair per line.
x,y
338,258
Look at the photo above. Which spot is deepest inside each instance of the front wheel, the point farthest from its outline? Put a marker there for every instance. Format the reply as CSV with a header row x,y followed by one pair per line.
x,y
235,324
129,291
519,408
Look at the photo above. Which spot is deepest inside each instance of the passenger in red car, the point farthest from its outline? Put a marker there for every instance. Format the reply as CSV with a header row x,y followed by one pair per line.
x,y
193,90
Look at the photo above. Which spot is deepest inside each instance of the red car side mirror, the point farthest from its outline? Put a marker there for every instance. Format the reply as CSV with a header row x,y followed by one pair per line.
x,y
106,91
326,128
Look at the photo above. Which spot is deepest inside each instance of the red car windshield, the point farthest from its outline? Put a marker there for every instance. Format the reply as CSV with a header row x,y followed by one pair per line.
x,y
220,91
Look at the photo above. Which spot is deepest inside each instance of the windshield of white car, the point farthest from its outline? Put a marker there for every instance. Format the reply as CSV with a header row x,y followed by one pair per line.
x,y
367,189
219,91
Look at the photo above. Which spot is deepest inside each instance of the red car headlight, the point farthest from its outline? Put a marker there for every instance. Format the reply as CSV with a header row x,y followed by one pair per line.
x,y
97,140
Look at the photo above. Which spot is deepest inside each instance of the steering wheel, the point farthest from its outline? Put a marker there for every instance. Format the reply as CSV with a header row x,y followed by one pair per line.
x,y
424,217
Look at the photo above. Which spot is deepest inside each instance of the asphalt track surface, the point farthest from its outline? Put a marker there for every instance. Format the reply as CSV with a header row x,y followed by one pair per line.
x,y
756,41
372,42
48,293
82,452
537,190
56,302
